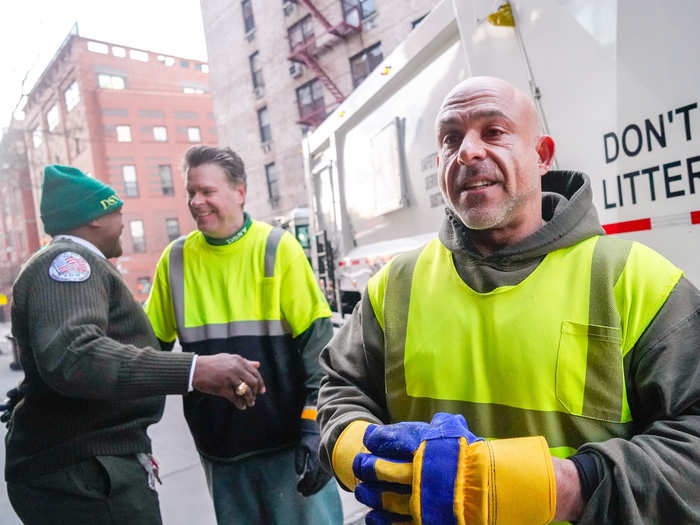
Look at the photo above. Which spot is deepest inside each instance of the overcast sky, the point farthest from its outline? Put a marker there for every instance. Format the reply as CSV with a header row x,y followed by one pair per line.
x,y
32,30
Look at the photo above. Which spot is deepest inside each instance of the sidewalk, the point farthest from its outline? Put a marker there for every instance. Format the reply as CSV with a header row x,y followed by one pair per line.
x,y
184,499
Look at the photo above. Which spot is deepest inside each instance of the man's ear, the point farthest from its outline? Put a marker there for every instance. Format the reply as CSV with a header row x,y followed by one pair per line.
x,y
240,194
545,151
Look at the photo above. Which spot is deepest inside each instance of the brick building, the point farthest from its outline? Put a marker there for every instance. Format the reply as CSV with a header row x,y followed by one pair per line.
x,y
278,67
125,116
19,236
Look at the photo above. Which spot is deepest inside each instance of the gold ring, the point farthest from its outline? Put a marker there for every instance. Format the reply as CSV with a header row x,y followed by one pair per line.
x,y
242,389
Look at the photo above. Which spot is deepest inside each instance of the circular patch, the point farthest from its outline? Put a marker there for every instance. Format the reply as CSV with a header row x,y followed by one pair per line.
x,y
69,267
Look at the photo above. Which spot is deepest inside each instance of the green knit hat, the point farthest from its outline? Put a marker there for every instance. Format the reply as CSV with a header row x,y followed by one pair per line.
x,y
69,199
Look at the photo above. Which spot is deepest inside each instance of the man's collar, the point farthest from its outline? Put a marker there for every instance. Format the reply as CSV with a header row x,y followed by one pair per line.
x,y
82,242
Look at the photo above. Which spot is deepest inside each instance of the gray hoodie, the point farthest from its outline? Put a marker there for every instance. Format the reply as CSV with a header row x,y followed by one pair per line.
x,y
652,477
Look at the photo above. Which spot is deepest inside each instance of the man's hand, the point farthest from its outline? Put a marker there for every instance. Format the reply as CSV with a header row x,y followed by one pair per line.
x,y
311,476
220,374
14,396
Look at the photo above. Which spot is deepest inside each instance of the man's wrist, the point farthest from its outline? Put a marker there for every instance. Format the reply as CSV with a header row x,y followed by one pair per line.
x,y
569,498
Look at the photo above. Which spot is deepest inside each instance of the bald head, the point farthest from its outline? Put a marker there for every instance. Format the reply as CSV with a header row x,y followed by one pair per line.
x,y
492,156
501,93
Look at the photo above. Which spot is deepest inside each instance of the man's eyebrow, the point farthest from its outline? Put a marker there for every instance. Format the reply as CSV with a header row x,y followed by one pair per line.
x,y
449,121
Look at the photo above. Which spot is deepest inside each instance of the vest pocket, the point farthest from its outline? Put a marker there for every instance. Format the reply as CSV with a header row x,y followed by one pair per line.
x,y
589,374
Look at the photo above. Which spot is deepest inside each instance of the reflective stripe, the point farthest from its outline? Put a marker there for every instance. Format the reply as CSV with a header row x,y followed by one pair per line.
x,y
603,391
273,239
397,295
309,413
176,272
500,421
193,334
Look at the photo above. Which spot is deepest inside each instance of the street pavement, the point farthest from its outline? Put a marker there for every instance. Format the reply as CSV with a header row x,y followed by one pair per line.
x,y
184,499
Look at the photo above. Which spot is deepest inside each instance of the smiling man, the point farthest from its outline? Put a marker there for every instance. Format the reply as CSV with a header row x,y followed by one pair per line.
x,y
523,367
239,286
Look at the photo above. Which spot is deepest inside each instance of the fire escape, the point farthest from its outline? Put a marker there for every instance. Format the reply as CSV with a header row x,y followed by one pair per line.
x,y
308,51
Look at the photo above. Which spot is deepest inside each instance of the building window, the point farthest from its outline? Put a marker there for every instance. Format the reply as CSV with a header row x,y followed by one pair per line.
x,y
135,54
160,133
138,238
52,118
248,20
123,133
131,185
362,64
172,227
37,136
166,179
310,99
110,81
98,47
143,285
256,70
301,32
193,134
264,124
184,63
204,68
273,187
366,8
193,90
118,51
72,95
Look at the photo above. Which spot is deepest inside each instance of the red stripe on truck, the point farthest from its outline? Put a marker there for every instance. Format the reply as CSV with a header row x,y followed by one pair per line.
x,y
636,225
695,217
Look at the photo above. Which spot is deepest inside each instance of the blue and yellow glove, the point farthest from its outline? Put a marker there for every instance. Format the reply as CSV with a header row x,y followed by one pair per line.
x,y
461,479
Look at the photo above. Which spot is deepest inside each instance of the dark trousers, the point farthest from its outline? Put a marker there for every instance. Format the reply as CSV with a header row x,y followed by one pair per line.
x,y
105,490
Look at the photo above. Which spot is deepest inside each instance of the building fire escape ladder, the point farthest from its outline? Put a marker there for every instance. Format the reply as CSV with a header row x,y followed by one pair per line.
x,y
305,52
314,66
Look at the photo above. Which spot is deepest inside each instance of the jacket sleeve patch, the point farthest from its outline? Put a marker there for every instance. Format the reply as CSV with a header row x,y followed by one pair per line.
x,y
69,267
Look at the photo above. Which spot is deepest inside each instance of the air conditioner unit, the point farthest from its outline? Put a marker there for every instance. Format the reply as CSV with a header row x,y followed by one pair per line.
x,y
259,92
296,69
266,146
288,8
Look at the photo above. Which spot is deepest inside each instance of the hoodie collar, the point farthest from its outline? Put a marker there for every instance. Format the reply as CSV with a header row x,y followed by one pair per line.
x,y
567,208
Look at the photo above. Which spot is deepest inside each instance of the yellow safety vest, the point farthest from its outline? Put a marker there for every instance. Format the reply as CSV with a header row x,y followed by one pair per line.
x,y
547,356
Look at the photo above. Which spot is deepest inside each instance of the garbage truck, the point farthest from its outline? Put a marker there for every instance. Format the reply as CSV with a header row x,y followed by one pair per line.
x,y
614,82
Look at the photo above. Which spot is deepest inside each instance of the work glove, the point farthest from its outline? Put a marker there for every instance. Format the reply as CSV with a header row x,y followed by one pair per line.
x,y
14,396
457,478
311,476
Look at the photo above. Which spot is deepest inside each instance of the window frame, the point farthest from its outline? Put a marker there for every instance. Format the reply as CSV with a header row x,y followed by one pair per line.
x,y
256,74
155,135
131,186
123,127
265,129
314,88
172,235
364,58
190,130
73,93
248,17
272,182
137,246
169,188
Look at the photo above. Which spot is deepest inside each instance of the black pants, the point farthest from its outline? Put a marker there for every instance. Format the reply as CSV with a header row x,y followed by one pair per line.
x,y
105,490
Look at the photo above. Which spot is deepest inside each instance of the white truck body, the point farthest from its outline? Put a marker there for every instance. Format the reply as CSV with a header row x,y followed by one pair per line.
x,y
619,90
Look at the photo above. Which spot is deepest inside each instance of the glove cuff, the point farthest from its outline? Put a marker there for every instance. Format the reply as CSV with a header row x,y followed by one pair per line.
x,y
506,481
348,445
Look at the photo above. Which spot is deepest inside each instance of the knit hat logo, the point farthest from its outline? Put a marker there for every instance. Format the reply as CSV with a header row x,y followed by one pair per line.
x,y
70,198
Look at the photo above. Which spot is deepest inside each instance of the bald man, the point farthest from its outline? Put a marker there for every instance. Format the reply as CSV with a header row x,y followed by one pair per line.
x,y
522,367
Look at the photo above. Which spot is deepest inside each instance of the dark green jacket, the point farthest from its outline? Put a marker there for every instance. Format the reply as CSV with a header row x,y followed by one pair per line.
x,y
94,379
652,477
